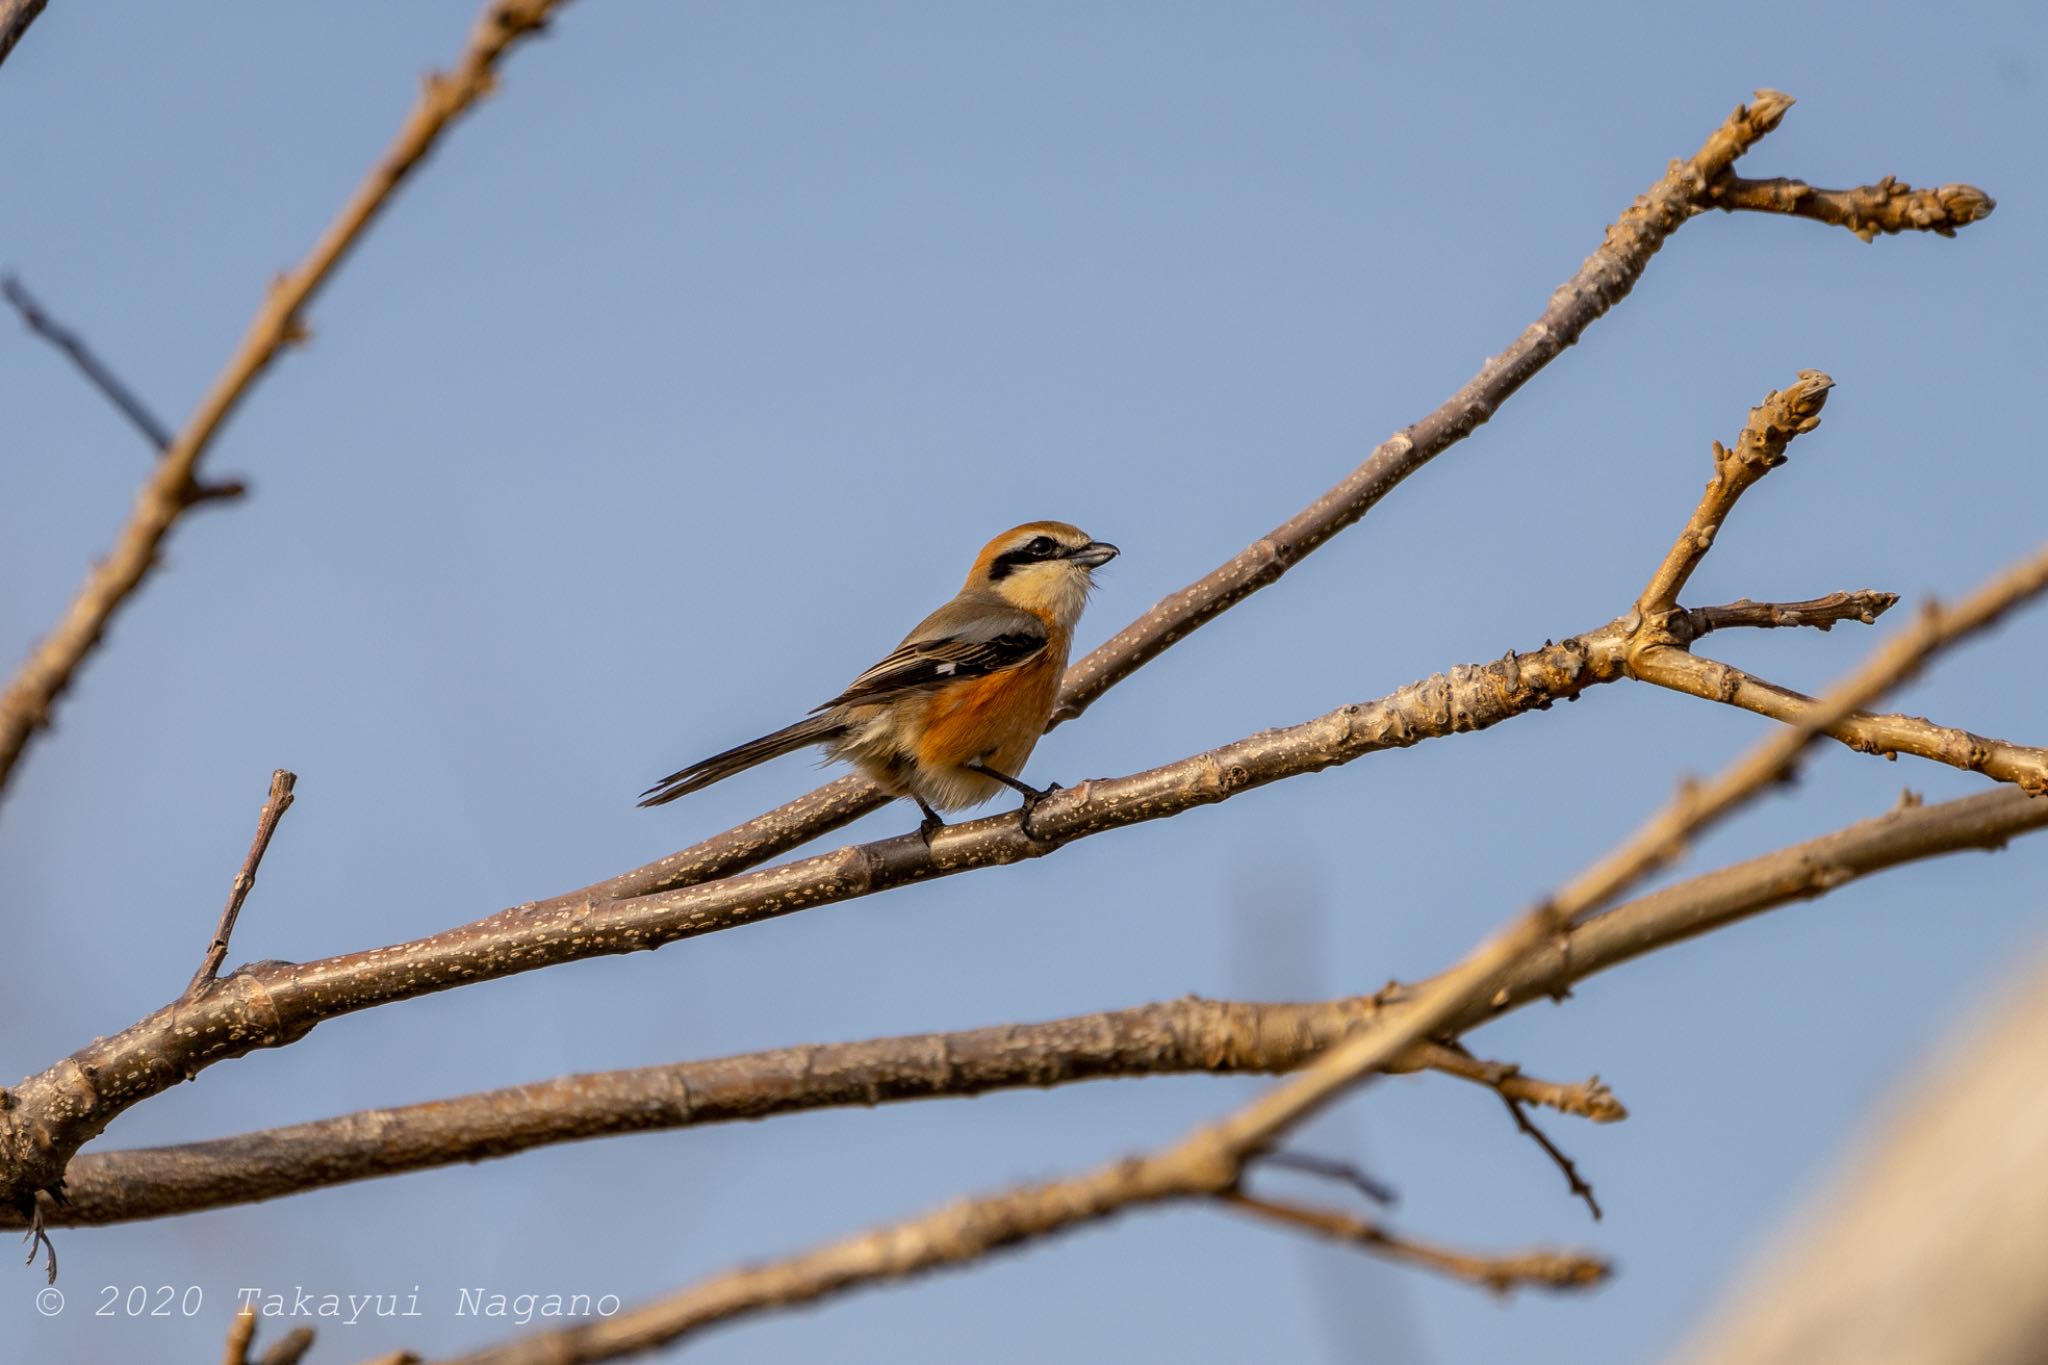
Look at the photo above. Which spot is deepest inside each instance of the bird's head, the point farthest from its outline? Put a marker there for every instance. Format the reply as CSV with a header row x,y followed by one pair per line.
x,y
1045,567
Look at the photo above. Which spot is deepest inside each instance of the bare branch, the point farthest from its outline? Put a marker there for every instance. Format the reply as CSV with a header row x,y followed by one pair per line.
x,y
1821,613
1172,1037
1588,1099
173,487
1603,280
279,801
1661,840
1867,210
1805,871
1888,735
1696,806
1661,652
107,1187
1760,448
272,1004
1572,1179
95,370
1205,1163
1500,1273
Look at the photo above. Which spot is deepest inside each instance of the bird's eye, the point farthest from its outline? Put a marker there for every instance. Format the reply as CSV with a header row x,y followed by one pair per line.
x,y
1042,547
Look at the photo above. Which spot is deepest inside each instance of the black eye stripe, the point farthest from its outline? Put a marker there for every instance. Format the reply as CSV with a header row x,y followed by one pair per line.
x,y
1033,551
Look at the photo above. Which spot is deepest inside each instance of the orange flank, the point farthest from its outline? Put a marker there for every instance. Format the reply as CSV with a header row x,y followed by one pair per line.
x,y
996,719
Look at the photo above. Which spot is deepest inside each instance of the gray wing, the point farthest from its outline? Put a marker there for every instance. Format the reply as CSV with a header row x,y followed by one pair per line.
x,y
959,640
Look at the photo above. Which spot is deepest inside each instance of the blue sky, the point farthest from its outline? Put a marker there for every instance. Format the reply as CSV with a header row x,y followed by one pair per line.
x,y
693,371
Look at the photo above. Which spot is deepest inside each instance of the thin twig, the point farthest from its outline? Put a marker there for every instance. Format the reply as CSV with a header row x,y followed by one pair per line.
x,y
1696,807
1887,206
1332,1168
1937,628
1589,1099
278,802
1500,1273
29,698
1527,1125
1820,613
1564,1163
2026,766
95,370
1760,448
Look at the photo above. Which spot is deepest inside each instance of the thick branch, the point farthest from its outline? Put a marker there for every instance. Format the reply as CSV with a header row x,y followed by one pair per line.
x,y
120,1186
25,705
1887,206
1174,1037
1207,1162
270,1004
1714,900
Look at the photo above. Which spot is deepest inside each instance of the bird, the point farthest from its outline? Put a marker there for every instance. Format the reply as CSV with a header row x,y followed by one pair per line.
x,y
950,716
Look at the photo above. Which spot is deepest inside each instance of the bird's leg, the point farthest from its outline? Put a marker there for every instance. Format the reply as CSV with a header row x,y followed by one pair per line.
x,y
1032,795
931,824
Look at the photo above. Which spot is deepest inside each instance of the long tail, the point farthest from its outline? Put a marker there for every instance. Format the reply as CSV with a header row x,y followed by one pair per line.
x,y
718,767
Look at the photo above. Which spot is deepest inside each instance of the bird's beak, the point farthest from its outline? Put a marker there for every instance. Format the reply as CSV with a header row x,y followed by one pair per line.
x,y
1095,554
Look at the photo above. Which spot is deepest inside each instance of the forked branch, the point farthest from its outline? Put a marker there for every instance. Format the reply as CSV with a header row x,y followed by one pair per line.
x,y
271,1004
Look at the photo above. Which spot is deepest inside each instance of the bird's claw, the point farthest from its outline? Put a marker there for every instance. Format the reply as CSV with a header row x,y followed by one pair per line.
x,y
1031,800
